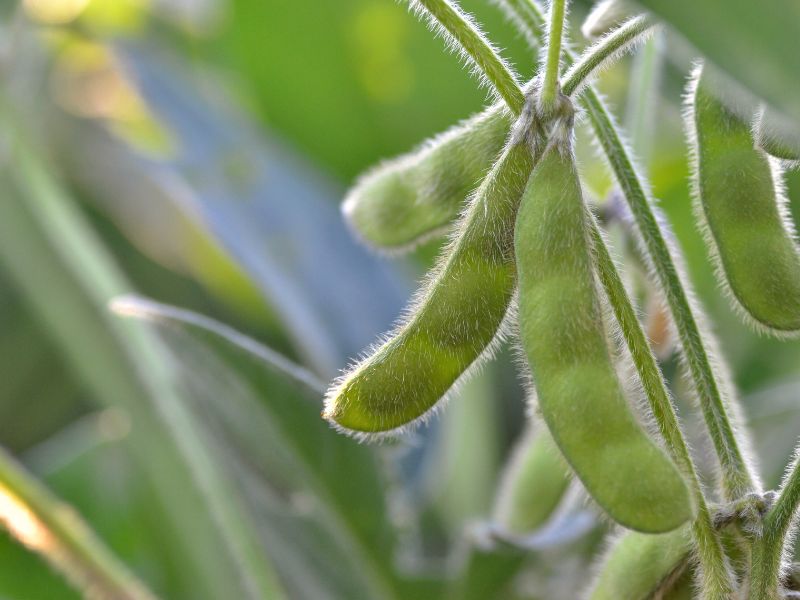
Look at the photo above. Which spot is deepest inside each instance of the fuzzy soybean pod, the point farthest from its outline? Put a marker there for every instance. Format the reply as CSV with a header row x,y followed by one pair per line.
x,y
532,484
454,319
742,211
637,566
405,201
563,335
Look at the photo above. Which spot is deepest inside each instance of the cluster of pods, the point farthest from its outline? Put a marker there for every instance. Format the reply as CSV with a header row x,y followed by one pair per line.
x,y
522,261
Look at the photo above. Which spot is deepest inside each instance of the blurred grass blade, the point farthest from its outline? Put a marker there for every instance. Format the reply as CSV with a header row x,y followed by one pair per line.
x,y
49,248
270,417
755,43
41,522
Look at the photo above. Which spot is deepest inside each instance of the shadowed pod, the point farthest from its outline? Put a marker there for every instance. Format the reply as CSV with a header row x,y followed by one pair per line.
x,y
564,341
742,211
451,323
638,566
532,484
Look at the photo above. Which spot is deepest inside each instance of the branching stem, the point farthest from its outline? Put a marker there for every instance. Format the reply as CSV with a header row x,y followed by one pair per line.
x,y
769,549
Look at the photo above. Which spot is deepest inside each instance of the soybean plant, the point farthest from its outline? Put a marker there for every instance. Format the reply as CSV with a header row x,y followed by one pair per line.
x,y
526,258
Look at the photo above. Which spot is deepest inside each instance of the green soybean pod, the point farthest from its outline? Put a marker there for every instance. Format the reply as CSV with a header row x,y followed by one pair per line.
x,y
742,211
532,484
407,200
638,566
563,336
454,320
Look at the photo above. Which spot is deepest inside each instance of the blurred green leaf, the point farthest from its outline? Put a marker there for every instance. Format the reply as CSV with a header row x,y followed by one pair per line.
x,y
755,43
46,245
274,214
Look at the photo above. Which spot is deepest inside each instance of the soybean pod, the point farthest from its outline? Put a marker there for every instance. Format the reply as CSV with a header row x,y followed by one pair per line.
x,y
533,483
454,320
564,339
638,566
740,206
409,199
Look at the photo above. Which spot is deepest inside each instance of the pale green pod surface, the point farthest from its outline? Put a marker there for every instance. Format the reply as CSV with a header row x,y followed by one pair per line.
x,y
413,197
532,484
563,335
453,320
637,565
740,204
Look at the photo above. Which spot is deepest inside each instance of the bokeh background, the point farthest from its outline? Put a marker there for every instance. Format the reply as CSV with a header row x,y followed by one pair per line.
x,y
206,145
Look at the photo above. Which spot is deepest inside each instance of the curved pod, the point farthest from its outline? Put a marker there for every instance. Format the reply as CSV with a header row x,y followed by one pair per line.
x,y
637,566
562,333
409,199
742,210
532,484
453,321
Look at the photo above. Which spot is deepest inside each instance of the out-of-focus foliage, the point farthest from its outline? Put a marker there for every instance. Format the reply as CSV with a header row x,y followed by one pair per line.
x,y
205,144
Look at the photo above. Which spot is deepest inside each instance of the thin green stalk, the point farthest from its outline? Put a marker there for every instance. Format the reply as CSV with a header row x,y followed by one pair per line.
x,y
467,35
603,50
737,479
769,550
40,521
547,94
716,573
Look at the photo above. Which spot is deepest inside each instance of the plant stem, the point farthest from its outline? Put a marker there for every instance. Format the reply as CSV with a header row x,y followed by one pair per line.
x,y
713,559
768,550
603,50
547,94
46,525
466,35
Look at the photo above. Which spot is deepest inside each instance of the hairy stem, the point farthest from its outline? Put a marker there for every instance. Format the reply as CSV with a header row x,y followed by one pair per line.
x,y
603,50
716,572
466,35
46,525
547,94
768,550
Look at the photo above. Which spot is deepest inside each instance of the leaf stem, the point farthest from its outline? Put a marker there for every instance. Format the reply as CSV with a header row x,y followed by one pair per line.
x,y
547,94
44,524
466,35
